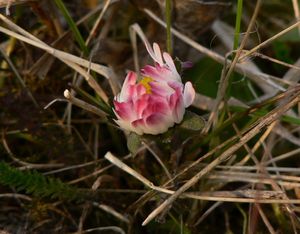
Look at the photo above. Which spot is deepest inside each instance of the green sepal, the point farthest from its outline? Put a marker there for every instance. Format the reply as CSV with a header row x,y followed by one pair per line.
x,y
192,122
133,142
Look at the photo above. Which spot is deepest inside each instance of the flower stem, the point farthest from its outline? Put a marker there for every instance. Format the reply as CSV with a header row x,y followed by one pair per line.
x,y
238,20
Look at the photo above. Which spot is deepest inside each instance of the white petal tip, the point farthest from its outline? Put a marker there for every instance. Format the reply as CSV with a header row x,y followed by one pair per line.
x,y
67,94
188,94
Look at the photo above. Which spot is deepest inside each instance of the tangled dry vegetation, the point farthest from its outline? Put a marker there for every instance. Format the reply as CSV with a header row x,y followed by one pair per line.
x,y
66,168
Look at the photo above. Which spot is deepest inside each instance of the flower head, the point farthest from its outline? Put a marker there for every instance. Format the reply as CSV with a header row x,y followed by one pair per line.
x,y
157,101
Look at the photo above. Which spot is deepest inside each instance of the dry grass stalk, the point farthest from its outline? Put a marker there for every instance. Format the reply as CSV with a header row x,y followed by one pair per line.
x,y
8,3
26,165
258,47
226,73
96,24
71,60
254,130
241,68
265,219
243,196
296,12
111,211
84,105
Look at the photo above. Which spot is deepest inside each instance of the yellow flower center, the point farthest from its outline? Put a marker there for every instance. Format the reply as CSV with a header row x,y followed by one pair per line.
x,y
145,82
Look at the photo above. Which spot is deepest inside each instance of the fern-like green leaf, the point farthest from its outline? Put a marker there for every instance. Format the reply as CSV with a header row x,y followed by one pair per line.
x,y
35,183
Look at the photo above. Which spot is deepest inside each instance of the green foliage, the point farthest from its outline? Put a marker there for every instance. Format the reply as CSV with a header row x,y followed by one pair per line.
x,y
73,26
133,142
238,21
205,76
282,51
33,182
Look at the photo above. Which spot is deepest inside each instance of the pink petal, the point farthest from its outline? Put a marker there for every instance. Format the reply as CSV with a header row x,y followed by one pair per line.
x,y
179,110
188,94
139,126
150,71
158,104
170,62
161,89
159,73
176,102
157,124
124,110
125,91
141,105
157,53
177,86
186,65
136,91
126,125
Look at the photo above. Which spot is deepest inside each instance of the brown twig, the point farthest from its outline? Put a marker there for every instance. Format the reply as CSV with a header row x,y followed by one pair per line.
x,y
259,125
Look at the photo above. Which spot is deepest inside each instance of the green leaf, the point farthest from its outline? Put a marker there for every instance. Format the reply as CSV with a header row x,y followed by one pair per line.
x,y
133,142
73,26
35,183
192,122
238,21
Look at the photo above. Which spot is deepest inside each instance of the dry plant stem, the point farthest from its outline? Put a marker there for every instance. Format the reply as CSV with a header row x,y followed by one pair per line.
x,y
286,134
256,146
17,74
265,177
256,48
207,213
113,229
26,165
158,160
255,168
90,80
71,60
297,12
72,167
86,106
15,196
113,81
265,219
278,97
7,3
44,57
111,211
278,62
240,68
247,148
255,178
249,196
95,173
293,74
83,216
225,77
132,34
97,23
260,124
109,156
283,156
225,32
